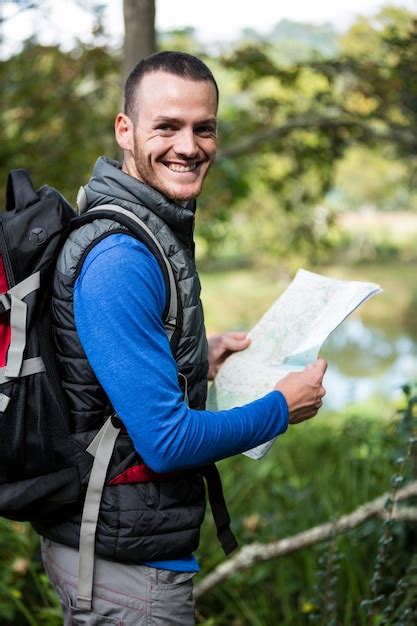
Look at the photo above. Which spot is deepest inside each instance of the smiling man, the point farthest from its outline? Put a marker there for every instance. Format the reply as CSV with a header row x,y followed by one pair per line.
x,y
168,133
117,351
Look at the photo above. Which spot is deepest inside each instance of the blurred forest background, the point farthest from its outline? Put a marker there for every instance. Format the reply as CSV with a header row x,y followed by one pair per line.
x,y
318,169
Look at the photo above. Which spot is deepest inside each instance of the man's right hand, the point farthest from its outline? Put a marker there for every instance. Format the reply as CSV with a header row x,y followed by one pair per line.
x,y
304,391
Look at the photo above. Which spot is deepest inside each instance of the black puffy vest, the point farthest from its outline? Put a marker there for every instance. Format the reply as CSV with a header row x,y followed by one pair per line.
x,y
141,521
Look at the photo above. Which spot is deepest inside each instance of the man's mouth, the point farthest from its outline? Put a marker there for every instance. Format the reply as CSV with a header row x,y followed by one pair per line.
x,y
182,169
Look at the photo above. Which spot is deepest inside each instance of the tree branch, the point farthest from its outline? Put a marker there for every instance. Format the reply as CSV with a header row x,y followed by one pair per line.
x,y
258,552
378,130
403,514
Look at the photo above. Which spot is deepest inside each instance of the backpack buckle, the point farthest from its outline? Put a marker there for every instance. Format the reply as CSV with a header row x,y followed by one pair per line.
x,y
5,302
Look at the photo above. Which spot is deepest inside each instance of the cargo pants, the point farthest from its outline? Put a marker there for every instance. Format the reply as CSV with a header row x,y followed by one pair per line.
x,y
123,595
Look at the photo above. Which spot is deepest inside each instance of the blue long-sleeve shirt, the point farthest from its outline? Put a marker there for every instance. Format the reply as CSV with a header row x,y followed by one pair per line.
x,y
119,299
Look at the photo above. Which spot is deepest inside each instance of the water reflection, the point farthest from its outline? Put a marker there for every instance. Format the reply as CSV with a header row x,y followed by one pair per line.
x,y
364,361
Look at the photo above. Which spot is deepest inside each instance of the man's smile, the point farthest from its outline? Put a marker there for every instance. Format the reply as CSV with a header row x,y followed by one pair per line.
x,y
182,168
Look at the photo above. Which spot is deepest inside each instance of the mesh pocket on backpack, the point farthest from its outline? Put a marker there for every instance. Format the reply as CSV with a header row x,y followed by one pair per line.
x,y
34,434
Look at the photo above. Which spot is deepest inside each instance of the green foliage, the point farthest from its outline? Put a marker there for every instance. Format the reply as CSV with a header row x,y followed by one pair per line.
x,y
287,127
390,597
58,111
25,594
307,479
410,315
292,105
371,178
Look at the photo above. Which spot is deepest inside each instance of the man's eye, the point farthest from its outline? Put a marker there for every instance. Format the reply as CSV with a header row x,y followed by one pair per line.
x,y
205,131
165,128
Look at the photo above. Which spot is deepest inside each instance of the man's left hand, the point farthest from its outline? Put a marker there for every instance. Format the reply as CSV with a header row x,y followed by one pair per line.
x,y
223,345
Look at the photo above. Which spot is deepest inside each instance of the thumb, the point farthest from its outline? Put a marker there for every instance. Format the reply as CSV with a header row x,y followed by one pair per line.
x,y
321,364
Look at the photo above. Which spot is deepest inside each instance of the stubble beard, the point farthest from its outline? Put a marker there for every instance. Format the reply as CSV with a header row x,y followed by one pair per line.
x,y
146,175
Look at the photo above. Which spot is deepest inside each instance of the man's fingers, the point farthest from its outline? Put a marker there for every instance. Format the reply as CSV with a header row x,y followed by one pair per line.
x,y
320,396
236,341
301,416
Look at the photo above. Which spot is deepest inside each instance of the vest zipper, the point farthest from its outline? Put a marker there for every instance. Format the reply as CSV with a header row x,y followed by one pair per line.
x,y
186,400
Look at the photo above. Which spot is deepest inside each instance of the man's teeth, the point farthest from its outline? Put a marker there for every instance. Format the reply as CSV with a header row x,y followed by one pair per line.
x,y
174,167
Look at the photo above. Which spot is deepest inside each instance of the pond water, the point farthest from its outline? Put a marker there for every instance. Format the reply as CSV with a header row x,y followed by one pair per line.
x,y
366,361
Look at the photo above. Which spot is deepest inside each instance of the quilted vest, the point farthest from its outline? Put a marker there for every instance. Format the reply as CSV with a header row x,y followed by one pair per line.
x,y
159,519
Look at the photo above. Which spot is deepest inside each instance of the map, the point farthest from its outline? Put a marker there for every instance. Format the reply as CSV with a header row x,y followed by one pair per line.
x,y
286,339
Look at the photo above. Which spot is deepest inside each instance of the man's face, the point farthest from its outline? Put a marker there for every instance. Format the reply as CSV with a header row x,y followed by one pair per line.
x,y
174,137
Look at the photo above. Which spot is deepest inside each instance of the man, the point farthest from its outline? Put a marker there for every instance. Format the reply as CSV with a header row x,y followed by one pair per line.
x,y
109,313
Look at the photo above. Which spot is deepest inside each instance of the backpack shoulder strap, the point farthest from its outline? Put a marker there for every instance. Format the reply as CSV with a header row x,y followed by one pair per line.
x,y
139,229
172,316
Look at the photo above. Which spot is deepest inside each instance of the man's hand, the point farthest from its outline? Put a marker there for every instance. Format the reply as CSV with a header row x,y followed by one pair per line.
x,y
304,391
223,345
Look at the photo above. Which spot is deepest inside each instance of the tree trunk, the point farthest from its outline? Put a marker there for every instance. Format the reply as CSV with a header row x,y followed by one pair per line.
x,y
140,39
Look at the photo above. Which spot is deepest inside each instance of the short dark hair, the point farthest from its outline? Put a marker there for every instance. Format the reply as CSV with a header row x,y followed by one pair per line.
x,y
178,63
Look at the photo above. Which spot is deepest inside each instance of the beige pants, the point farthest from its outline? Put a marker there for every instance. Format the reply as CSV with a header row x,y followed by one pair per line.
x,y
125,595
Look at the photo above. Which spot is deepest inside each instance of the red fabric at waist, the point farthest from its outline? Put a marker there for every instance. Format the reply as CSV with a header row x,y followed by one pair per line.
x,y
5,333
141,474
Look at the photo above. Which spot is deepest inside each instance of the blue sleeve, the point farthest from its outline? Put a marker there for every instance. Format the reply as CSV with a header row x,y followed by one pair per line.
x,y
119,298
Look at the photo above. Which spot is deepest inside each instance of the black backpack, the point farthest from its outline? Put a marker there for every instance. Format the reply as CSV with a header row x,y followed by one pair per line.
x,y
37,473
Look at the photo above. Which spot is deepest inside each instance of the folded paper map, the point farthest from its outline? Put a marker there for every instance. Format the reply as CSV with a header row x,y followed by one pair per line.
x,y
286,339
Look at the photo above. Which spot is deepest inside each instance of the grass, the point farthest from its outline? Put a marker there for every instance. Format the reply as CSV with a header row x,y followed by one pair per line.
x,y
316,472
235,299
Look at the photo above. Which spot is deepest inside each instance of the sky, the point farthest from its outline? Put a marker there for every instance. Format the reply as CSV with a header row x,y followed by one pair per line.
x,y
217,20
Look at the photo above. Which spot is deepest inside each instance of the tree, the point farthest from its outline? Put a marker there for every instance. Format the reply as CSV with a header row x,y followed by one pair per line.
x,y
140,38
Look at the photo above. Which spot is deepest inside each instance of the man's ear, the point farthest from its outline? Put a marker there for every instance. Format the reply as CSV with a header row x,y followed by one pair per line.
x,y
124,131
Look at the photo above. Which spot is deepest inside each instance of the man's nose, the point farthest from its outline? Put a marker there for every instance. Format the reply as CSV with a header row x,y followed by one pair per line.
x,y
185,143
